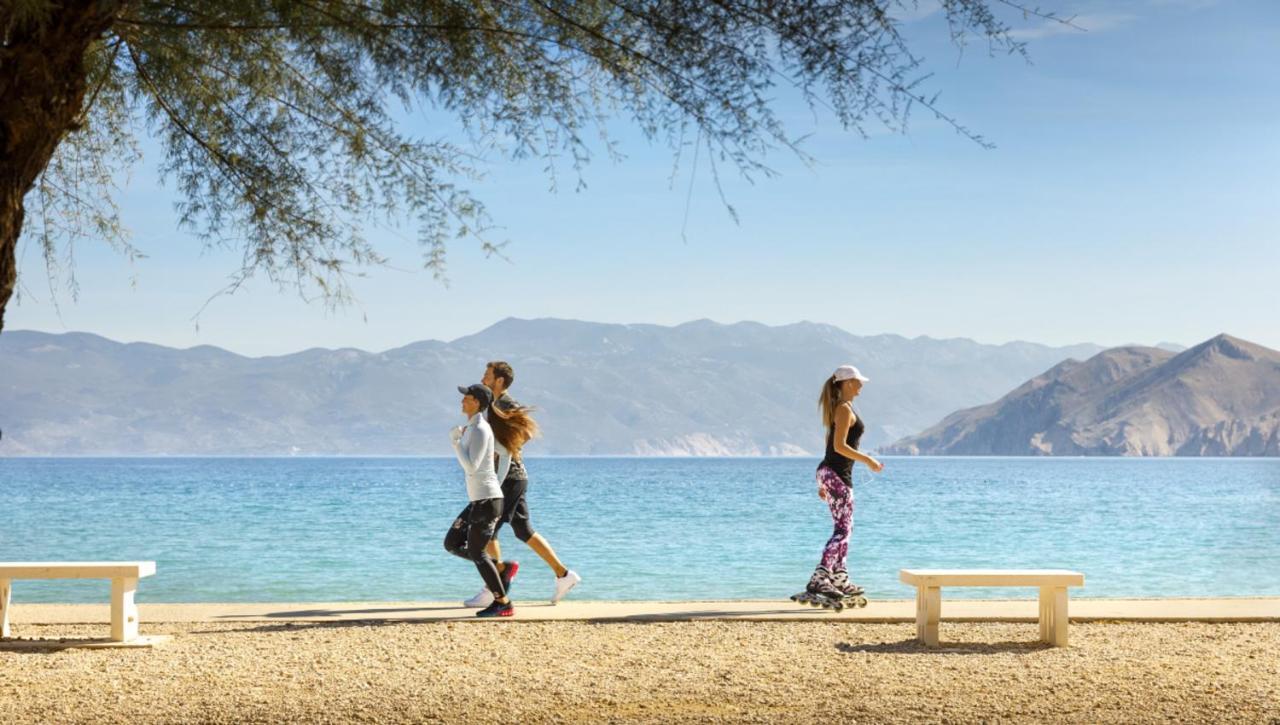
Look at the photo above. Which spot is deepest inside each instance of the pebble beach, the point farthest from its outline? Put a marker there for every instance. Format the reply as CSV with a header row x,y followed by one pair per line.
x,y
712,671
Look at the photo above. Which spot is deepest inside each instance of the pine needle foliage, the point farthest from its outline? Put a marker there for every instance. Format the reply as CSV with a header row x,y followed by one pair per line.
x,y
277,117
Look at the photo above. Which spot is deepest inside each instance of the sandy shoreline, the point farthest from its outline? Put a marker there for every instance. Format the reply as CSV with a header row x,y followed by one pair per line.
x,y
696,671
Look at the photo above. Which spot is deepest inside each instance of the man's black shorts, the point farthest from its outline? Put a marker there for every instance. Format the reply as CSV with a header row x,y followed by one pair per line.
x,y
515,510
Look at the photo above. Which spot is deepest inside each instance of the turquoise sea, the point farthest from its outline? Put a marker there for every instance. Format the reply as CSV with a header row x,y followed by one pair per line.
x,y
370,529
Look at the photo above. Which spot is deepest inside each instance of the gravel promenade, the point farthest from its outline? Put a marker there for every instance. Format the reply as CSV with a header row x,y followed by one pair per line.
x,y
714,671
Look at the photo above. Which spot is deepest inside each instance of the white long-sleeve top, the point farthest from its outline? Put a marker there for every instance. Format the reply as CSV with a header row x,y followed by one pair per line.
x,y
503,460
474,449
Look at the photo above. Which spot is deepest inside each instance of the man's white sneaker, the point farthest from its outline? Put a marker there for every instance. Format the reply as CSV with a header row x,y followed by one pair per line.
x,y
481,600
564,584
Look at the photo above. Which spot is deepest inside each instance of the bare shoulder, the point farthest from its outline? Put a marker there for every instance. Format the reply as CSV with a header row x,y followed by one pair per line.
x,y
845,412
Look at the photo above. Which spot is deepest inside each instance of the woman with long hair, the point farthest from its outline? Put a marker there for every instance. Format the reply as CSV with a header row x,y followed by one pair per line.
x,y
830,585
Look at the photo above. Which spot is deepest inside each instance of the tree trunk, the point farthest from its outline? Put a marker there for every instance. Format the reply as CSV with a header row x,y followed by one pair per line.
x,y
42,93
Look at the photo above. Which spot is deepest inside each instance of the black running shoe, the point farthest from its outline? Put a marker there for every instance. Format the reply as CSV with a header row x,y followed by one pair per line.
x,y
497,610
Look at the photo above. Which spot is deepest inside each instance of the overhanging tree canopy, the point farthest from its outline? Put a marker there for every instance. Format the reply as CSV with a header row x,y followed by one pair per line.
x,y
277,116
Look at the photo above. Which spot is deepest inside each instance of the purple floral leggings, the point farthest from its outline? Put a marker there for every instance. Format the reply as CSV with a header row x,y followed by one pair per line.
x,y
840,501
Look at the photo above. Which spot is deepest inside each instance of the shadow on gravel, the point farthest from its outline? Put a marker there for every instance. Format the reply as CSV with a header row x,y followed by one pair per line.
x,y
915,647
332,612
33,647
726,616
305,626
52,645
300,626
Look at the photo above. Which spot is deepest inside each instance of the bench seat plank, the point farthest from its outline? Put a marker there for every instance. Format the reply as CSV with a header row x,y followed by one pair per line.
x,y
991,577
76,569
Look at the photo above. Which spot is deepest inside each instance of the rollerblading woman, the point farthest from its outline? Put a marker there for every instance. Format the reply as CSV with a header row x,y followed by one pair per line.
x,y
830,586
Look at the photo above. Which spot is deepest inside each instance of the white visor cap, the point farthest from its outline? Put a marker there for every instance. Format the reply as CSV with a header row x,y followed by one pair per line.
x,y
849,372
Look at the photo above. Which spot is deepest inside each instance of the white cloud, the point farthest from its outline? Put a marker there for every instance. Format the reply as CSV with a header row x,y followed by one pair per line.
x,y
910,12
1070,25
1184,4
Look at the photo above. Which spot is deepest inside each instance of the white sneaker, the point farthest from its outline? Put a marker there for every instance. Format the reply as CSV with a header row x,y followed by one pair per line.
x,y
564,584
481,600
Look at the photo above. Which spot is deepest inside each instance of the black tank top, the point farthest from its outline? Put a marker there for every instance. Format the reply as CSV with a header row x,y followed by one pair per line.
x,y
836,462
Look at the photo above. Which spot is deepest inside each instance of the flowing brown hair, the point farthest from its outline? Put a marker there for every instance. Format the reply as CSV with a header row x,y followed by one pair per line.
x,y
828,401
513,427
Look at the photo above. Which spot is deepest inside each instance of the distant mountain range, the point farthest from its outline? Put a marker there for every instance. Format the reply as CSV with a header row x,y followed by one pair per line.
x,y
1219,398
700,388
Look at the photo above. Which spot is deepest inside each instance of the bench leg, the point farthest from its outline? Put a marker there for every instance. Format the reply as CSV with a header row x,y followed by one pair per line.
x,y
124,613
928,612
1046,614
1059,633
922,611
6,591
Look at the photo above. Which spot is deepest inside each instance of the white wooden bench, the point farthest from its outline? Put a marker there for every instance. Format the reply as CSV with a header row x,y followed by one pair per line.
x,y
1053,585
124,576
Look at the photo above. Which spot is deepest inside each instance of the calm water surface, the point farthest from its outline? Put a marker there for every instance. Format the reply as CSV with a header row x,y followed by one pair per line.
x,y
370,529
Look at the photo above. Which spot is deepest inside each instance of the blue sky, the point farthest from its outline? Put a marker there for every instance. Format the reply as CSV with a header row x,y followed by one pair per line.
x,y
1134,196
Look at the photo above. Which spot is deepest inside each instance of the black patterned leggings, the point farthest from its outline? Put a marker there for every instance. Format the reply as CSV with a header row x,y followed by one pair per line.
x,y
840,501
471,532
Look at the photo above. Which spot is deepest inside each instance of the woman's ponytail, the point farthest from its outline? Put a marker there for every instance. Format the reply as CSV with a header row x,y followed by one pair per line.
x,y
827,401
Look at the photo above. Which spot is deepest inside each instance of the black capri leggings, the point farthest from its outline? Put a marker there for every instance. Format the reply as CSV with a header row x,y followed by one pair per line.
x,y
471,532
515,510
